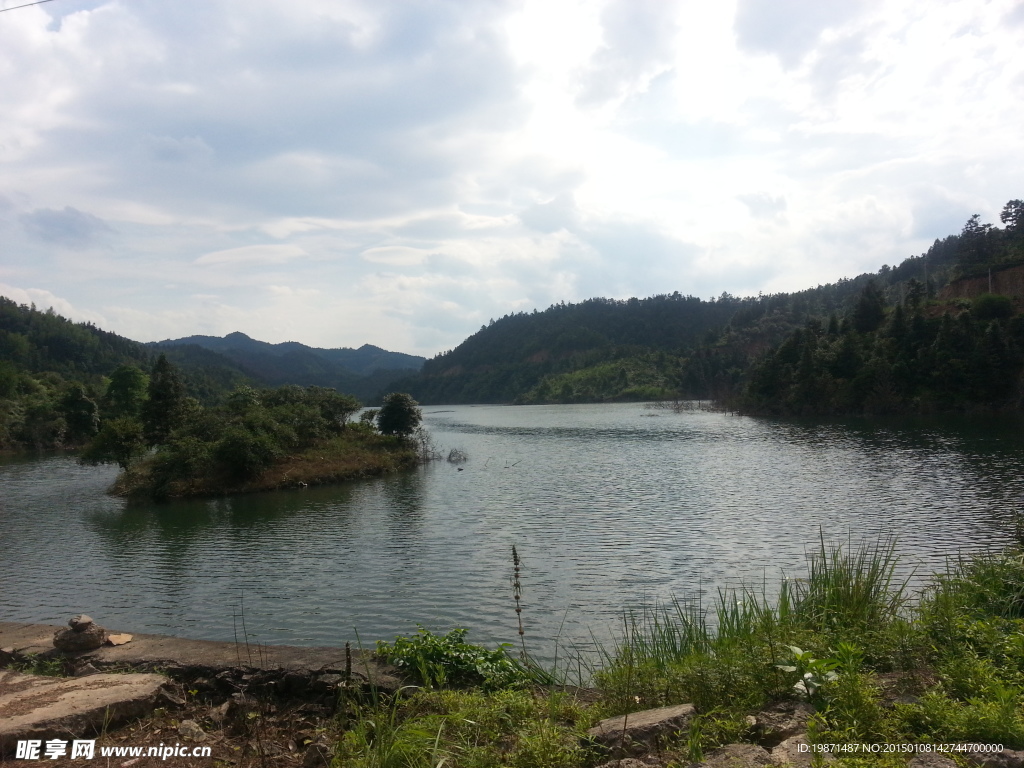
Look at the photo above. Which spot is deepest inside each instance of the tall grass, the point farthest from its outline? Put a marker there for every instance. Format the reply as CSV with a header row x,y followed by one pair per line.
x,y
847,589
729,655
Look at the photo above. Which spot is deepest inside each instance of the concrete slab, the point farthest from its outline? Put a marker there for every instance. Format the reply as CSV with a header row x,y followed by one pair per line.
x,y
36,707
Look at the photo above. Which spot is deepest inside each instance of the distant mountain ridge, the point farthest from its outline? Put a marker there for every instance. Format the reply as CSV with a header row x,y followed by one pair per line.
x,y
363,372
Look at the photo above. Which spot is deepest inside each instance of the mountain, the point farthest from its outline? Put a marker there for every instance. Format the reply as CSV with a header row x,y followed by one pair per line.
x,y
673,346
363,372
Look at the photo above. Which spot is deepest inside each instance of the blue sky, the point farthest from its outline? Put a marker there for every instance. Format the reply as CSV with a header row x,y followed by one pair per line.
x,y
338,172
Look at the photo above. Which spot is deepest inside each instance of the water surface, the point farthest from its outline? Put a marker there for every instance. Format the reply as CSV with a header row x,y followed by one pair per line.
x,y
609,506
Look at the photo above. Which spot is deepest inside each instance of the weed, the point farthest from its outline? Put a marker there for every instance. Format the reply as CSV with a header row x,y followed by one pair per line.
x,y
448,660
33,664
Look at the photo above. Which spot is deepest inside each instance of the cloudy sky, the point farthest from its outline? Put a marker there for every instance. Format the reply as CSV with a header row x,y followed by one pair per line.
x,y
339,172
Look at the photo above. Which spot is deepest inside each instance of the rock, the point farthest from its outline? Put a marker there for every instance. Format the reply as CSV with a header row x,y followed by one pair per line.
x,y
119,639
224,711
626,762
80,623
317,756
639,732
85,670
778,722
87,638
36,707
167,699
737,756
1008,758
6,657
190,731
930,760
796,752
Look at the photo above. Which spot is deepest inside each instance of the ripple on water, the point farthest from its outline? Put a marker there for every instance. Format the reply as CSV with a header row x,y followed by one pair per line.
x,y
607,507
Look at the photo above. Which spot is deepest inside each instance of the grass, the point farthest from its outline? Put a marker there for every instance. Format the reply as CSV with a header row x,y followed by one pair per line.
x,y
845,638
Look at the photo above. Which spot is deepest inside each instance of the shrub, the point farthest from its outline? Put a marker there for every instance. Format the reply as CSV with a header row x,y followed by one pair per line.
x,y
448,660
991,306
242,454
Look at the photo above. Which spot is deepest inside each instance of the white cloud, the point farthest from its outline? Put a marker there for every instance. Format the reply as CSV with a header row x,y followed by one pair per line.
x,y
253,254
342,172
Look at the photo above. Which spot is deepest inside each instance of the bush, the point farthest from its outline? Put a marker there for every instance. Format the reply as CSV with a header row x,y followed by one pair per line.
x,y
449,660
242,454
992,306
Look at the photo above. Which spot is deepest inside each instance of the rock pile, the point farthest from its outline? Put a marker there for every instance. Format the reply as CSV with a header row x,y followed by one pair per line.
x,y
84,635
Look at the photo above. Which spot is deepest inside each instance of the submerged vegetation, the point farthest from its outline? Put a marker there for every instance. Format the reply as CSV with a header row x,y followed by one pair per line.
x,y
868,661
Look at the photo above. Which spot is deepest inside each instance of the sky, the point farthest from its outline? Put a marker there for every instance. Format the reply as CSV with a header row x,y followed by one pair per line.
x,y
340,172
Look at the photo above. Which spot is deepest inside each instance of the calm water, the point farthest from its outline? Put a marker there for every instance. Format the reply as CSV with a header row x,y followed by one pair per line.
x,y
608,506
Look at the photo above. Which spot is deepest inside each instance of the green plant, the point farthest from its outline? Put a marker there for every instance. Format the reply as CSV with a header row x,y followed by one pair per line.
x,y
544,744
33,664
812,673
713,729
848,591
448,660
381,738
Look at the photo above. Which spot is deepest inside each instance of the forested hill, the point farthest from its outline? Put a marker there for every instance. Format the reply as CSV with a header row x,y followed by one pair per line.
x,y
56,375
902,346
681,346
53,370
362,372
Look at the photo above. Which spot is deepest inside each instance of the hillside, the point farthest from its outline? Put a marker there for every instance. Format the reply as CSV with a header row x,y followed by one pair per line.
x,y
672,346
363,372
902,346
56,375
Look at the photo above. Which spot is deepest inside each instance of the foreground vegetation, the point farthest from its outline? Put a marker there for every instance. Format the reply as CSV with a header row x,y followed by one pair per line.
x,y
874,665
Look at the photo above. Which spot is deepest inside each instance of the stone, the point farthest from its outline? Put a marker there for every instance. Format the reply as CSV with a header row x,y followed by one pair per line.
x,y
737,756
190,730
796,752
85,670
780,721
7,657
931,760
88,638
639,732
1008,758
224,712
37,707
317,756
626,762
80,623
168,699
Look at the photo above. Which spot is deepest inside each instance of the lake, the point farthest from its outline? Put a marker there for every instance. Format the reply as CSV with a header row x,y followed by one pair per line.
x,y
610,506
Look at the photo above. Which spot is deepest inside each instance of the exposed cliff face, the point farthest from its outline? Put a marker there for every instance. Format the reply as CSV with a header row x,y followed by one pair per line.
x,y
1009,282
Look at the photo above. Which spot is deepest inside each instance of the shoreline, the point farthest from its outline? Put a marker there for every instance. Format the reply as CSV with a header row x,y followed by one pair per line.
x,y
285,670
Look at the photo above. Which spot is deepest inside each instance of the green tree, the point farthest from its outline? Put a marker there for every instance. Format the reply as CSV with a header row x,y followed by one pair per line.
x,y
126,392
399,415
992,306
164,409
869,310
120,441
1013,215
80,412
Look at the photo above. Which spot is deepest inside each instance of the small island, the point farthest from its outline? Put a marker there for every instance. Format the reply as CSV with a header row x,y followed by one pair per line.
x,y
170,446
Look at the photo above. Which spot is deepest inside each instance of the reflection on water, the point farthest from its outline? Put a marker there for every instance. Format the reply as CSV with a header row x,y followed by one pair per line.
x,y
608,505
